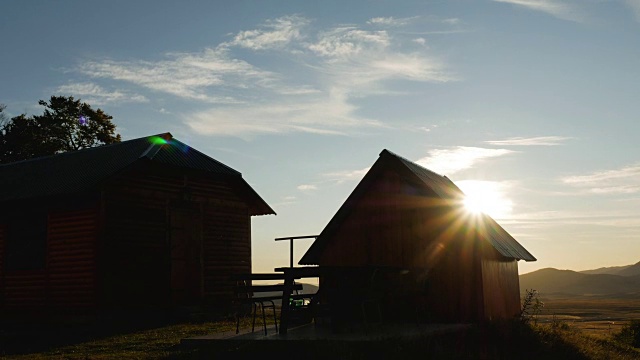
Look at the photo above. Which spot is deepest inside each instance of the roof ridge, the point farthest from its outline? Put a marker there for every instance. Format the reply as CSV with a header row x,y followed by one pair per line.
x,y
391,153
67,153
205,155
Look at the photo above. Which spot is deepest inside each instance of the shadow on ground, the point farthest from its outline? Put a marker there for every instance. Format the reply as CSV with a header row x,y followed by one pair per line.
x,y
486,341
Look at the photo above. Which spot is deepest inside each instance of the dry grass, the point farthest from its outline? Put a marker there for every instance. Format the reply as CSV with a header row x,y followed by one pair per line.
x,y
578,329
155,343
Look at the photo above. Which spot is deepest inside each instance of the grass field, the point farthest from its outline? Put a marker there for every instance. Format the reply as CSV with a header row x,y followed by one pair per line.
x,y
565,329
595,316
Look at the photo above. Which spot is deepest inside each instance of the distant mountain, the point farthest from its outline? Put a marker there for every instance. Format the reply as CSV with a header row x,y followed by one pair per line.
x,y
552,281
628,270
612,270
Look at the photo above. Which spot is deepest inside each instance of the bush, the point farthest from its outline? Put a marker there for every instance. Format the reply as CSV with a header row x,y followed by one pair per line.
x,y
630,334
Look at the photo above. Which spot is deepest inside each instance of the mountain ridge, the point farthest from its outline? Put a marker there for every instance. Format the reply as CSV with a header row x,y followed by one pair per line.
x,y
555,282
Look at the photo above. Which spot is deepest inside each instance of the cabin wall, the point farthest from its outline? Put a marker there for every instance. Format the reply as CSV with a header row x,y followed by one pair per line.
x,y
364,236
67,279
501,286
146,211
397,224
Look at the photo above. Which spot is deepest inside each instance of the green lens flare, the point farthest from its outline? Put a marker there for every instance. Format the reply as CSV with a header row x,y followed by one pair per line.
x,y
157,140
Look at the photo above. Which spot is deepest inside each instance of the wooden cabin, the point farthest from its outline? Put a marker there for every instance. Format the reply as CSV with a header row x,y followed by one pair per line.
x,y
405,233
145,223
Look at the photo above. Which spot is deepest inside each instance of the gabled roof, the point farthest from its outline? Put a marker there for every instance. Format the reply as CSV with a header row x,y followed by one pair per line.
x,y
441,186
85,170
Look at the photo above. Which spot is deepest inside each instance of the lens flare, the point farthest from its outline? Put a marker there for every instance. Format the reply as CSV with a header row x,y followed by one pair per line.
x,y
157,140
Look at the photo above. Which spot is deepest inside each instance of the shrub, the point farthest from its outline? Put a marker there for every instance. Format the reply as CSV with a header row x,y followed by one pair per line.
x,y
630,334
531,307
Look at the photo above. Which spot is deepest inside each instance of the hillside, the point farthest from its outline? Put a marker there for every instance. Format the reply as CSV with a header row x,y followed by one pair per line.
x,y
628,270
551,281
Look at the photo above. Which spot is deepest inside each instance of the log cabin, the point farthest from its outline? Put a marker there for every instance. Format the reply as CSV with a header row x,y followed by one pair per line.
x,y
404,241
145,223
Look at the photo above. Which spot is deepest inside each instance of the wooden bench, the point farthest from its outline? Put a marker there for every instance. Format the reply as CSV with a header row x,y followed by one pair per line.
x,y
263,296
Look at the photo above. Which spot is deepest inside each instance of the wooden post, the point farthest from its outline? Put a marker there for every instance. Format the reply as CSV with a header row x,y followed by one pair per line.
x,y
291,238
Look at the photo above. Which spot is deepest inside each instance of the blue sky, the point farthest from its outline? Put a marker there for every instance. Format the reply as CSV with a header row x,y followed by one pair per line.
x,y
530,104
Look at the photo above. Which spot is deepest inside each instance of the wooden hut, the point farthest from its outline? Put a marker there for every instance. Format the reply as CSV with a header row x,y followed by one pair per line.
x,y
145,223
407,226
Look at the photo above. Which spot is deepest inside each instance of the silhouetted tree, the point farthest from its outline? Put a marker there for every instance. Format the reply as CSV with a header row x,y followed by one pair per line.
x,y
3,118
66,125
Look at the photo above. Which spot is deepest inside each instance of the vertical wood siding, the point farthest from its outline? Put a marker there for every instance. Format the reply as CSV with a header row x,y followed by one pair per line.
x,y
396,223
501,286
138,205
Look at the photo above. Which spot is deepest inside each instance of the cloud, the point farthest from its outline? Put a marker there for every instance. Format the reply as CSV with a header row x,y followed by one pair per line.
x,y
562,9
307,187
328,115
276,33
311,89
391,21
420,41
450,161
344,42
361,56
451,21
618,181
564,218
95,94
185,75
348,175
532,141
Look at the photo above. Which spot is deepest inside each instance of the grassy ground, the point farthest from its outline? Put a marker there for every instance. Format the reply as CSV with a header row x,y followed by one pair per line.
x,y
558,336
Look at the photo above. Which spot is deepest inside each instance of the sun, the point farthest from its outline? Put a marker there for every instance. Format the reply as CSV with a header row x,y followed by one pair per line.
x,y
486,197
473,205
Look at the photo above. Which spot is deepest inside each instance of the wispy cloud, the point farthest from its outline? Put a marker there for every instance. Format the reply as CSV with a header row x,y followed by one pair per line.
x,y
619,181
326,70
275,33
185,75
531,141
329,115
348,175
592,218
97,95
358,58
307,187
451,21
391,21
450,161
562,9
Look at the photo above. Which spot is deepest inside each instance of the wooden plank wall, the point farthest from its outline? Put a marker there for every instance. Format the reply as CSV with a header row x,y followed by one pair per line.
x,y
71,261
225,229
68,279
501,286
396,223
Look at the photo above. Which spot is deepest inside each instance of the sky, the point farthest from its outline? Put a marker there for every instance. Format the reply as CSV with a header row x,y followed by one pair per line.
x,y
530,107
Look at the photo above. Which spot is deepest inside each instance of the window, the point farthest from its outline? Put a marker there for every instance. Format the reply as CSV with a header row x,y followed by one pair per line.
x,y
26,247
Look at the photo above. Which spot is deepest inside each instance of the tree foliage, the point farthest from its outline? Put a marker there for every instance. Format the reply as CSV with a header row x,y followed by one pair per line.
x,y
66,125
